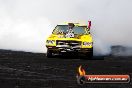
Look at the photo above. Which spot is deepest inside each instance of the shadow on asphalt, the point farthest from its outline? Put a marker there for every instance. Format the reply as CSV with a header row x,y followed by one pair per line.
x,y
80,57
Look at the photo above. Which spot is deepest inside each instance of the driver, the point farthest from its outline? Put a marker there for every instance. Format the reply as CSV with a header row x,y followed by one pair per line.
x,y
70,33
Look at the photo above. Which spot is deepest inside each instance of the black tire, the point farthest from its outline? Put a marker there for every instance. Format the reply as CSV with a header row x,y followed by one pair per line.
x,y
49,53
89,55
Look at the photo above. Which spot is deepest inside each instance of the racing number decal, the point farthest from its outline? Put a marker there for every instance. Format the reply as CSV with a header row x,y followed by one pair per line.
x,y
69,35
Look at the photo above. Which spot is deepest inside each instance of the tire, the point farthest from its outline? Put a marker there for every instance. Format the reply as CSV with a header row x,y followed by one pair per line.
x,y
49,53
89,55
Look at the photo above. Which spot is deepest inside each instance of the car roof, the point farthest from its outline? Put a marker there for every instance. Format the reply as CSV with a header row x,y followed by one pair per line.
x,y
76,24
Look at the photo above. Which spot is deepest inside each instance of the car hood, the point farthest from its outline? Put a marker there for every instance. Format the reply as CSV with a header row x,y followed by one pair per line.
x,y
76,37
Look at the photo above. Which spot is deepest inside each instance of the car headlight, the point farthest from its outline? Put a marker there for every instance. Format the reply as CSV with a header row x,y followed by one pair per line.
x,y
50,41
87,43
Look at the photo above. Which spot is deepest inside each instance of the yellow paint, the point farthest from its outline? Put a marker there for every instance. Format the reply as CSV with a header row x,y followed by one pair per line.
x,y
82,38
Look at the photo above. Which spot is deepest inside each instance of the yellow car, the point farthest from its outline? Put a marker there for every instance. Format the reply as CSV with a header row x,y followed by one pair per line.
x,y
70,38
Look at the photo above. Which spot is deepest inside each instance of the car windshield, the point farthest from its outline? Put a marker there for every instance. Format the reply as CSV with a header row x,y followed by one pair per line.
x,y
64,28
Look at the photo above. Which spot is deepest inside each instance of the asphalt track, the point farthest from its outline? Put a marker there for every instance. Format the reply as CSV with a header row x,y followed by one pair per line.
x,y
34,70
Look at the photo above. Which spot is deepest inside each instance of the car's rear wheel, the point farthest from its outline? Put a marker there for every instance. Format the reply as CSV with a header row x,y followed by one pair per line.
x,y
49,53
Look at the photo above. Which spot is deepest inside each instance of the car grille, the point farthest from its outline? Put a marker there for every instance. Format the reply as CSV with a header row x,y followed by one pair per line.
x,y
70,43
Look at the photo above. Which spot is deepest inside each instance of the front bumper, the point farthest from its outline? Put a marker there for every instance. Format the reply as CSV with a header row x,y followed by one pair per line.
x,y
69,49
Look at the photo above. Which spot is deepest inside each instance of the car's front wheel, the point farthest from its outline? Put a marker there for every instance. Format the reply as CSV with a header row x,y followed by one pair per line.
x,y
89,54
49,53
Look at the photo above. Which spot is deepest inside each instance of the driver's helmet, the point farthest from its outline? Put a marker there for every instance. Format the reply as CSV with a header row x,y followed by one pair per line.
x,y
70,25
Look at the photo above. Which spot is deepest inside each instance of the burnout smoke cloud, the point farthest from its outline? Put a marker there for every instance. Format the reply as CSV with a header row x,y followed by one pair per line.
x,y
25,24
